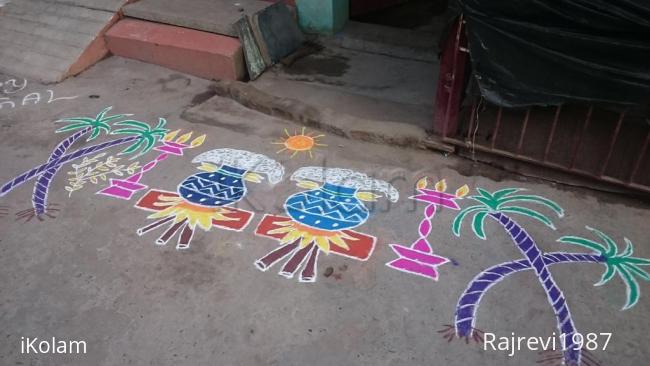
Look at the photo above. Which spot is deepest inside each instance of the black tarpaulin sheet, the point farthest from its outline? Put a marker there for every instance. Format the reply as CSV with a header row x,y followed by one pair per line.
x,y
547,52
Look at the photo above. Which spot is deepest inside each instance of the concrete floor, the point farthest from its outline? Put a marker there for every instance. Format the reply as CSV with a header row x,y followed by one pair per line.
x,y
361,84
86,275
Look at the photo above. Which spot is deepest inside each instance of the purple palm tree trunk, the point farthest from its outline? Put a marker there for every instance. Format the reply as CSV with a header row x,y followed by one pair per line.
x,y
534,256
19,180
470,299
42,186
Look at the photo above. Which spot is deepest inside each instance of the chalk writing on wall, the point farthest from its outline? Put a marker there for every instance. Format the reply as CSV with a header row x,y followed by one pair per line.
x,y
9,98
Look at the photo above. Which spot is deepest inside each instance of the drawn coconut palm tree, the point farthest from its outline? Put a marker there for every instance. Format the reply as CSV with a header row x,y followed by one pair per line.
x,y
321,219
498,205
85,125
141,136
201,200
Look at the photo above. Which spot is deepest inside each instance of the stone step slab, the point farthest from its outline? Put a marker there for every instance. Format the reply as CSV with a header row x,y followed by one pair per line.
x,y
214,16
203,54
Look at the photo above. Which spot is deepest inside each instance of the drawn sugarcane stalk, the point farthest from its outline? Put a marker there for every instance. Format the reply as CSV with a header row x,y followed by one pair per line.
x,y
26,176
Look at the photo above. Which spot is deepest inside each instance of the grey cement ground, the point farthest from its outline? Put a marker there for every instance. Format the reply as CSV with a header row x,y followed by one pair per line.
x,y
44,39
359,83
87,275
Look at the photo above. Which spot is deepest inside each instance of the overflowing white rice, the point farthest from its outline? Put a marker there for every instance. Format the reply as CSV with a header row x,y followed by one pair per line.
x,y
346,178
245,160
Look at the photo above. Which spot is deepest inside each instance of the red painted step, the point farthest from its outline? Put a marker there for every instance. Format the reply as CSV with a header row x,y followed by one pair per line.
x,y
198,53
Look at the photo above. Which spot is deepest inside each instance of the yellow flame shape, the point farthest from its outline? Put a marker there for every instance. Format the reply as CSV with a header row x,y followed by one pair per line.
x,y
441,186
422,183
184,138
198,141
462,191
323,239
195,215
170,135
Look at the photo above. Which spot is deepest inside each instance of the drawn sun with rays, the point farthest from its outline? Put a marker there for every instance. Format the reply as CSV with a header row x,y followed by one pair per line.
x,y
300,142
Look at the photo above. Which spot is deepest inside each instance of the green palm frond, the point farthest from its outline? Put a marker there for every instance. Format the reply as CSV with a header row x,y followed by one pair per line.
x,y
458,221
638,271
73,126
610,272
504,201
488,202
82,120
506,192
127,131
528,212
478,223
97,124
149,142
533,199
133,147
484,193
629,249
98,130
133,123
147,136
623,264
103,112
589,244
632,291
161,123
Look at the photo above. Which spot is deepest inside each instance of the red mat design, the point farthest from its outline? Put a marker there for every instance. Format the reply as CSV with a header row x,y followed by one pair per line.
x,y
242,217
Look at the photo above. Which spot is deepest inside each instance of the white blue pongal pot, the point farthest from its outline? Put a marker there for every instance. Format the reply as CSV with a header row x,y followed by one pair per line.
x,y
224,181
329,207
334,205
214,189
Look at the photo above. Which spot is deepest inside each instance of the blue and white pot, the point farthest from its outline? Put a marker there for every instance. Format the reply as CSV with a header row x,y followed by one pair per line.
x,y
329,207
214,189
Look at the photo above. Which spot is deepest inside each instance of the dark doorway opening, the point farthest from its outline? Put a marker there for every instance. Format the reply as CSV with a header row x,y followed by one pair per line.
x,y
412,14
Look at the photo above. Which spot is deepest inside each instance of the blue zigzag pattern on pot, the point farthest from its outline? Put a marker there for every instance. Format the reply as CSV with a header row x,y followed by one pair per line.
x,y
330,207
213,189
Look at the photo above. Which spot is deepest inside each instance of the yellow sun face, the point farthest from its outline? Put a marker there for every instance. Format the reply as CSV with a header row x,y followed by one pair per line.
x,y
300,142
